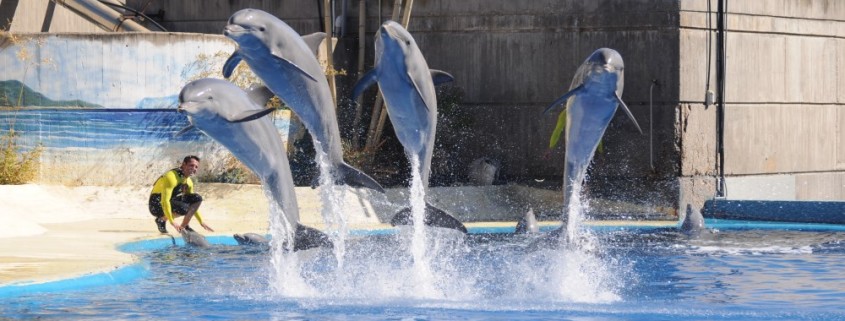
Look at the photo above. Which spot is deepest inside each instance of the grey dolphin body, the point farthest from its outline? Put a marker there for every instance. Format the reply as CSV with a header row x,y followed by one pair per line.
x,y
527,224
194,239
228,115
251,239
407,85
591,102
693,222
288,65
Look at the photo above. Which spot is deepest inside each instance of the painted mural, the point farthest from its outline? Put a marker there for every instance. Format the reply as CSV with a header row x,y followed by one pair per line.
x,y
102,106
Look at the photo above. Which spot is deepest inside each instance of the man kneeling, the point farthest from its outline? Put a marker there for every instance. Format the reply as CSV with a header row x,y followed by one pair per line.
x,y
173,196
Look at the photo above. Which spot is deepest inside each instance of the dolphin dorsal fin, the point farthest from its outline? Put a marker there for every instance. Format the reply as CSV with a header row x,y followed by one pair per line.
x,y
628,111
231,64
367,80
314,40
563,98
259,94
440,77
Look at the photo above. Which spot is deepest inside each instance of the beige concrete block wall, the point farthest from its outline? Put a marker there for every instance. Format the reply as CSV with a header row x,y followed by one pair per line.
x,y
783,130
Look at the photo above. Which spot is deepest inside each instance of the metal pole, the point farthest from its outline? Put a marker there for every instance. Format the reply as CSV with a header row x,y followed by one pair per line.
x,y
721,26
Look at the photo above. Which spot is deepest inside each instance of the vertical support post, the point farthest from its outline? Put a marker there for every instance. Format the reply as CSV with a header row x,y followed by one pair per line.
x,y
327,27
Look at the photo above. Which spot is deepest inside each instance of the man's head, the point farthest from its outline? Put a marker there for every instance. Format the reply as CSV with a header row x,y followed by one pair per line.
x,y
190,165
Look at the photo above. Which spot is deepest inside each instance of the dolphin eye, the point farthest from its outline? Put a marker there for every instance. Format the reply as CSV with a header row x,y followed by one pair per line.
x,y
261,29
407,42
210,98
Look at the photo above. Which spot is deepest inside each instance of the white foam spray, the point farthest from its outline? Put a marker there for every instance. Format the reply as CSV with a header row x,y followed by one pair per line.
x,y
331,209
423,276
579,273
285,278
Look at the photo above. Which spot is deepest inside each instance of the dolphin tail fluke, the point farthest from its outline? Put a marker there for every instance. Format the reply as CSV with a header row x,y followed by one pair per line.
x,y
433,217
628,112
563,99
308,237
356,178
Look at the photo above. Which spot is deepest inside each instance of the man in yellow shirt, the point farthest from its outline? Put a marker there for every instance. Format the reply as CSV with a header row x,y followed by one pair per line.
x,y
173,196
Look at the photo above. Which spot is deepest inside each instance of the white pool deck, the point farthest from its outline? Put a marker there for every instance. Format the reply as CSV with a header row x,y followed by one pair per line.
x,y
50,233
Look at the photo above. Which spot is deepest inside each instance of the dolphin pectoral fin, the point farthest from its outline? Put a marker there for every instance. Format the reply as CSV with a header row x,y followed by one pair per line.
x,y
184,130
231,64
441,77
314,40
369,78
420,96
259,94
287,64
251,115
356,178
433,217
628,111
563,98
308,237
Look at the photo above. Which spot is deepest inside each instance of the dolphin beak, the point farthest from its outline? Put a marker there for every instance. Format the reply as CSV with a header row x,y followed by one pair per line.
x,y
233,30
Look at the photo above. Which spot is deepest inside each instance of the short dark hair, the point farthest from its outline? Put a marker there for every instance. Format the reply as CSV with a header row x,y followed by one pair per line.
x,y
189,158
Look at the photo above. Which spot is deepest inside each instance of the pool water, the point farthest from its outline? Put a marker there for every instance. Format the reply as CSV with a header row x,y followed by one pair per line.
x,y
726,273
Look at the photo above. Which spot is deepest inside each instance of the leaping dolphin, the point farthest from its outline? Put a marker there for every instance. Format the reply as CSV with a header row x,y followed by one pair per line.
x,y
288,65
407,85
591,102
228,115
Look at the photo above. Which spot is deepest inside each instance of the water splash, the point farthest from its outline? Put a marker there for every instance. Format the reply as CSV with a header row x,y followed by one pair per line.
x,y
285,279
578,270
332,203
423,276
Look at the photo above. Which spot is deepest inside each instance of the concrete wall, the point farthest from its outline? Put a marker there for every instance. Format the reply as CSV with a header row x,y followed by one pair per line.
x,y
510,59
784,132
784,94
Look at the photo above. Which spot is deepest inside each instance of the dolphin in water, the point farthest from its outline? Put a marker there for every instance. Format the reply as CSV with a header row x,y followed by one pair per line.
x,y
251,239
231,117
194,239
693,222
527,224
591,102
407,85
287,64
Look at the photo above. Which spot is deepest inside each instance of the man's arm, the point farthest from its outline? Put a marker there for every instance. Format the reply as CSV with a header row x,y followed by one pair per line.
x,y
170,183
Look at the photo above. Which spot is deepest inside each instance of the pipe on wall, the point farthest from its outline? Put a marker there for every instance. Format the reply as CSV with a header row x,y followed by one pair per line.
x,y
101,15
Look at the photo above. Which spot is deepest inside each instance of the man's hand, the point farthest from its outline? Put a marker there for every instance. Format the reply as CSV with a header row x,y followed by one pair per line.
x,y
177,227
206,227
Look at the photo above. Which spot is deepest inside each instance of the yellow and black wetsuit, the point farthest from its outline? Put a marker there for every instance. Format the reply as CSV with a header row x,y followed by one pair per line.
x,y
173,192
